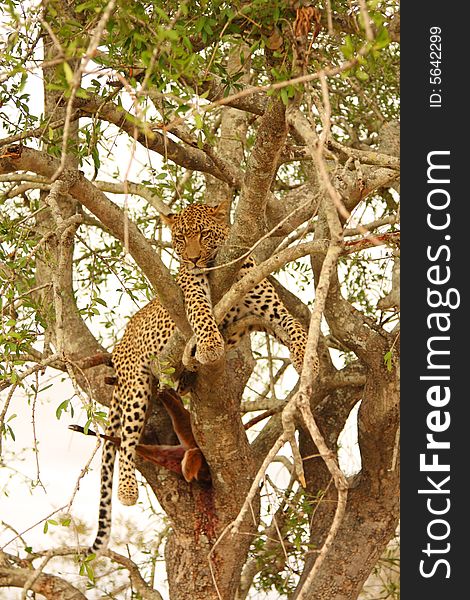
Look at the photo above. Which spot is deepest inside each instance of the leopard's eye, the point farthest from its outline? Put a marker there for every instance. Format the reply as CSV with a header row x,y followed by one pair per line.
x,y
205,235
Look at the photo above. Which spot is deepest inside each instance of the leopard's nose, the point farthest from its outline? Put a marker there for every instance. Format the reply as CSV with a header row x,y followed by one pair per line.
x,y
194,259
193,249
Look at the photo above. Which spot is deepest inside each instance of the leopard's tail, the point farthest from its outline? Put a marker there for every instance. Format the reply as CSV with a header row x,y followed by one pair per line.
x,y
107,470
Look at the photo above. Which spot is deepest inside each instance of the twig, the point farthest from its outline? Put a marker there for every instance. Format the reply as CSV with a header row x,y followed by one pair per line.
x,y
35,575
19,535
396,450
3,414
391,220
369,157
33,422
329,15
268,413
310,371
130,187
76,81
141,586
44,363
366,19
233,528
37,131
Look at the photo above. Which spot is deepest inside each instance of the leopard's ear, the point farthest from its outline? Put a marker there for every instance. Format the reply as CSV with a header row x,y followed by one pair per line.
x,y
221,211
168,219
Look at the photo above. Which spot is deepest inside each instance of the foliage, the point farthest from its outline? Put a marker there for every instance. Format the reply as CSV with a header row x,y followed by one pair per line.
x,y
145,108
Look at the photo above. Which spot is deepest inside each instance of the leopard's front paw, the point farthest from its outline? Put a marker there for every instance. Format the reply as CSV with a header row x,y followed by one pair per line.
x,y
210,349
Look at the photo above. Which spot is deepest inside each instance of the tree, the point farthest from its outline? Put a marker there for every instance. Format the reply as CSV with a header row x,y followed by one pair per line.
x,y
288,109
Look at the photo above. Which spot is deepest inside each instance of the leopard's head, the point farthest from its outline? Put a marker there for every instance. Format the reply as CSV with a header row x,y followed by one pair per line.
x,y
197,233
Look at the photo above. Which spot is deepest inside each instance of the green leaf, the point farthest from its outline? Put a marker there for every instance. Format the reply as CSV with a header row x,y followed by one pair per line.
x,y
61,408
162,14
198,121
284,96
83,6
89,571
46,387
68,73
382,39
362,75
81,93
199,24
146,57
208,28
348,47
171,34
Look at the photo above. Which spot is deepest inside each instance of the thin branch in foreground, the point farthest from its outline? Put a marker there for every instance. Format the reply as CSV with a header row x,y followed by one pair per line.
x,y
19,535
302,79
366,18
76,81
233,528
310,371
141,586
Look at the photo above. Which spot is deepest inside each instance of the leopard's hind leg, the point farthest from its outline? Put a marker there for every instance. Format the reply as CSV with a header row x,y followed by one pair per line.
x,y
135,397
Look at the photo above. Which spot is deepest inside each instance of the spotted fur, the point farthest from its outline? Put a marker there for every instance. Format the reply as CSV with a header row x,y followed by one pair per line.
x,y
197,233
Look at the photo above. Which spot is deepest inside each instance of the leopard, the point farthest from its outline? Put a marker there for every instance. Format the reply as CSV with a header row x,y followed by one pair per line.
x,y
197,232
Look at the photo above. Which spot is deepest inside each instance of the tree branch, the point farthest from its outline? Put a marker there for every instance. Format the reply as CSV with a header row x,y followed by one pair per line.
x,y
250,221
112,217
185,156
49,586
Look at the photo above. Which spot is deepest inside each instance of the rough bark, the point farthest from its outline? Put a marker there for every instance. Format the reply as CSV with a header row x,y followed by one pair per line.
x,y
231,142
49,586
201,556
